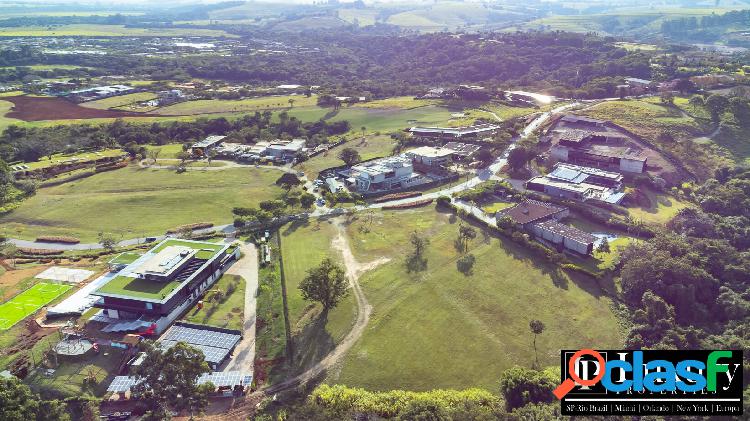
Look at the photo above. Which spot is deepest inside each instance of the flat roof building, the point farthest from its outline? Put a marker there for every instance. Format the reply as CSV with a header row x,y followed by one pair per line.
x,y
580,183
202,147
157,287
455,132
565,236
530,211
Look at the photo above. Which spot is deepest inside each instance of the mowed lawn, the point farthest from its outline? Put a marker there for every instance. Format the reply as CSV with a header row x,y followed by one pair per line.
x,y
28,302
662,209
387,120
304,245
210,106
442,329
134,202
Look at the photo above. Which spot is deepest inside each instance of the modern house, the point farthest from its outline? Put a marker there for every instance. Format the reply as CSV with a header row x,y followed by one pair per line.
x,y
580,183
169,97
468,132
148,294
391,173
530,211
285,149
564,236
542,220
601,149
431,156
99,92
202,147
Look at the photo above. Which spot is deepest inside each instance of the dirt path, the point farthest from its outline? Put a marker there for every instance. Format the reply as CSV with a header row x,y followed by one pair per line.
x,y
354,270
246,267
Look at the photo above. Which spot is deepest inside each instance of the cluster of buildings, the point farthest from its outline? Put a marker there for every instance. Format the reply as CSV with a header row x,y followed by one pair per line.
x,y
99,92
542,220
273,151
475,132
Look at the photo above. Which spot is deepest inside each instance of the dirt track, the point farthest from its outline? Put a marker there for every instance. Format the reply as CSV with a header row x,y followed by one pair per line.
x,y
29,108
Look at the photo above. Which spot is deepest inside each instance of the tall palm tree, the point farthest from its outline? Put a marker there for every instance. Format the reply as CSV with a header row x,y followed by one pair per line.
x,y
537,327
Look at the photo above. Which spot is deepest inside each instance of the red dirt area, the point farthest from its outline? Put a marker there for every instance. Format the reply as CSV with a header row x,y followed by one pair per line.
x,y
29,108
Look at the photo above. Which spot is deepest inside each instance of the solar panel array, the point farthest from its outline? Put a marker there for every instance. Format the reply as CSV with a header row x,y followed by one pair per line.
x,y
215,345
227,378
121,384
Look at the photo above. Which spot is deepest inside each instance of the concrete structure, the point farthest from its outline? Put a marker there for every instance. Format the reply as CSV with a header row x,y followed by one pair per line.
x,y
99,92
580,183
169,97
150,293
531,211
583,121
455,132
284,149
565,236
601,149
431,156
202,147
390,173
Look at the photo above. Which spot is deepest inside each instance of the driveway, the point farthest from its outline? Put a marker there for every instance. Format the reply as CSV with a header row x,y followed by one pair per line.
x,y
247,267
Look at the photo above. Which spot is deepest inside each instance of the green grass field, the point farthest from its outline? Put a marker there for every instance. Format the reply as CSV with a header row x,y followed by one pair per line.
x,y
211,106
662,208
135,202
28,302
48,67
304,245
60,158
442,329
391,119
92,30
226,312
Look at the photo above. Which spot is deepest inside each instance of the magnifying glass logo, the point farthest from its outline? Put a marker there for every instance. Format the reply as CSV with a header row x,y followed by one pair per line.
x,y
573,378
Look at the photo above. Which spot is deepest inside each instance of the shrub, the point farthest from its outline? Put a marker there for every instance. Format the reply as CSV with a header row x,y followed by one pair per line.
x,y
58,239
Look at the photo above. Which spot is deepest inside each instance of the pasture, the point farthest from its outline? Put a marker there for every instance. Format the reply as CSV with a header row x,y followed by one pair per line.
x,y
211,106
94,30
440,328
28,302
136,202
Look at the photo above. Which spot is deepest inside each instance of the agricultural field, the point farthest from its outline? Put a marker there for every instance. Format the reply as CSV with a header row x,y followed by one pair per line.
x,y
31,108
136,202
64,157
373,147
303,246
391,119
48,67
93,30
211,106
358,16
28,302
442,329
223,305
119,101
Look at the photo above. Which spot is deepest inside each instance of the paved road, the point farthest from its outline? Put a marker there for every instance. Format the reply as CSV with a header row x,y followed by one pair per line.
x,y
247,267
480,176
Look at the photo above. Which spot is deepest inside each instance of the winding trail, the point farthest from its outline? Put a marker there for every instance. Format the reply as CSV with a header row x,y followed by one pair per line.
x,y
354,269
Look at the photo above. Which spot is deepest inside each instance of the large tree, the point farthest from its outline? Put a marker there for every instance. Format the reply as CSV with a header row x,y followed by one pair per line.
x,y
168,380
326,284
19,403
350,156
521,386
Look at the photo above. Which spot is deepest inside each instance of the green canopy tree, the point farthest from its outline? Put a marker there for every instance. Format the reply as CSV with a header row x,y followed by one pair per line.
x,y
326,284
350,156
168,380
19,403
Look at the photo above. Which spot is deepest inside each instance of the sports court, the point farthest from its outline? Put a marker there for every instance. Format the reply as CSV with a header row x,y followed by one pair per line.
x,y
28,302
57,273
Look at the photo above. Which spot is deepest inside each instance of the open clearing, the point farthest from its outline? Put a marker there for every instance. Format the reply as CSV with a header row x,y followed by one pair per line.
x,y
373,147
30,108
442,329
28,302
304,245
211,106
136,202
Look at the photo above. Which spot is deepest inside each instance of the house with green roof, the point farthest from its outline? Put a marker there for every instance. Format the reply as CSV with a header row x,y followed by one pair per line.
x,y
152,290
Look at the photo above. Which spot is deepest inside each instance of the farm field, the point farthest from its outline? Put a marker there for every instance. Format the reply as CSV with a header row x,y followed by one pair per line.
x,y
28,108
136,202
387,120
119,101
93,30
210,106
28,302
48,67
304,245
442,329
62,157
375,147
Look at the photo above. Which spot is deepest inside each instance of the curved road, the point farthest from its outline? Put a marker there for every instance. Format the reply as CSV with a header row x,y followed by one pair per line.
x,y
480,176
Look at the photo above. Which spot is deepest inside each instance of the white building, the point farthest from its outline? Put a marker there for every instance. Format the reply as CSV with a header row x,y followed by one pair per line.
x,y
390,173
431,156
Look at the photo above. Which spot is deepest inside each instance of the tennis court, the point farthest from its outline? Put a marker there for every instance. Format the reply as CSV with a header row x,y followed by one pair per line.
x,y
28,302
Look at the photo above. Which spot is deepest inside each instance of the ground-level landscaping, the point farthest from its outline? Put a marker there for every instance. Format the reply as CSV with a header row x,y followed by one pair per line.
x,y
222,305
439,328
137,202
